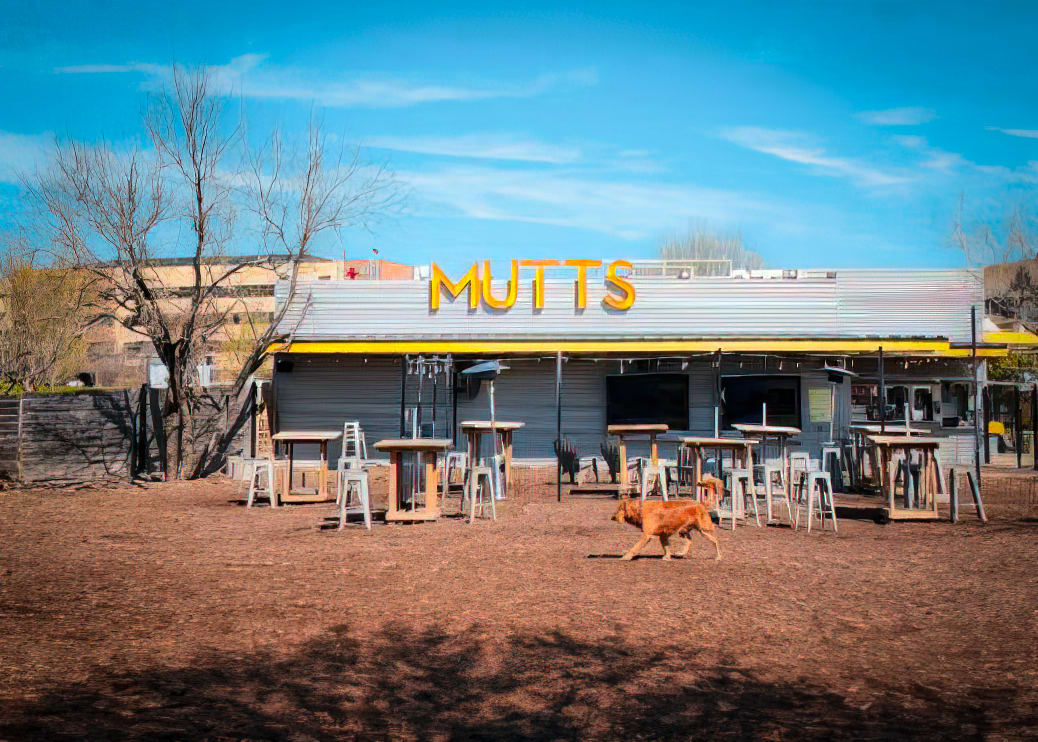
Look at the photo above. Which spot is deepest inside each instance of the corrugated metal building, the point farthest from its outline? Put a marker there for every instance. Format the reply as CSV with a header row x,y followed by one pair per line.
x,y
350,339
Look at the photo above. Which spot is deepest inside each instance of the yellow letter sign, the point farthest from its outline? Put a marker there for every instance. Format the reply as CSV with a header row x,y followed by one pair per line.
x,y
470,281
626,299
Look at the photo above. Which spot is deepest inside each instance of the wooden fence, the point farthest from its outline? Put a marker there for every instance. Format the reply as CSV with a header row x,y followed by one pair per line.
x,y
93,435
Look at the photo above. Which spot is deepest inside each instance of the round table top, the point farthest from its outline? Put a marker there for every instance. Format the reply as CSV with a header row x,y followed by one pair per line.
x,y
486,425
414,444
643,429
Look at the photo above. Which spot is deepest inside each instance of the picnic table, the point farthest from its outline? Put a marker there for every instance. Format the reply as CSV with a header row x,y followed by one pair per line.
x,y
627,431
782,434
742,451
290,438
474,431
403,501
888,447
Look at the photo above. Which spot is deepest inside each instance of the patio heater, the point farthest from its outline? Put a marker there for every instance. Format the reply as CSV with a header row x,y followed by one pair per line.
x,y
488,371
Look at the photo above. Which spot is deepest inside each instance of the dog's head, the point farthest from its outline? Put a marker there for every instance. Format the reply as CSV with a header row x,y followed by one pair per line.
x,y
623,511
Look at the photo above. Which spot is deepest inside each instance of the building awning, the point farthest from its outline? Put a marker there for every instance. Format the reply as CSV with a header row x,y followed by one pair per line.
x,y
915,346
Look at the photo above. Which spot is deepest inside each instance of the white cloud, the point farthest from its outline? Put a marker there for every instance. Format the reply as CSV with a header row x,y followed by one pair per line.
x,y
480,146
1025,133
627,210
933,158
251,76
795,147
910,116
20,154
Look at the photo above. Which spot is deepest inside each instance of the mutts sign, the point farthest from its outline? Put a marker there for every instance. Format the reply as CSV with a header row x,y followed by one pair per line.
x,y
620,291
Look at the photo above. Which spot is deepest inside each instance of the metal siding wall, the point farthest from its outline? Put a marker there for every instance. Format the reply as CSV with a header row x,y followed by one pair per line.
x,y
916,303
322,392
857,303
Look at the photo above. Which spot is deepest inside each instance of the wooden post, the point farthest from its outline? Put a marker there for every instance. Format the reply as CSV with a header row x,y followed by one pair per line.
x,y
141,462
18,451
1018,429
953,497
558,424
158,429
975,490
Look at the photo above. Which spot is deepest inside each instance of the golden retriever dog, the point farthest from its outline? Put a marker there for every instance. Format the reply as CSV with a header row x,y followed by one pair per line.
x,y
665,520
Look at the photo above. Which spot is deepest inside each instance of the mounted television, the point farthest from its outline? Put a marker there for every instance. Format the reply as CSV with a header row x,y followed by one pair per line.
x,y
744,398
638,399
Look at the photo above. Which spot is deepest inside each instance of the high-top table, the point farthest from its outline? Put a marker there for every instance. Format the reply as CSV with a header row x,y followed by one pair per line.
x,y
859,443
290,438
629,431
474,431
782,434
402,503
887,447
742,451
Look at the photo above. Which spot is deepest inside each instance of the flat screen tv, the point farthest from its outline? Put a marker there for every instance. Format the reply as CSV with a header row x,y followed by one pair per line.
x,y
638,399
744,397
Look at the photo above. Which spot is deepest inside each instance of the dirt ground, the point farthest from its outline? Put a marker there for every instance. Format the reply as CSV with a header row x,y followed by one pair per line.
x,y
172,612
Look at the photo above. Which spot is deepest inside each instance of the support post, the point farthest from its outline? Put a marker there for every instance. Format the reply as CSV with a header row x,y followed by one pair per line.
x,y
404,360
986,402
882,395
717,397
976,406
953,497
454,404
558,425
1034,427
1018,428
975,490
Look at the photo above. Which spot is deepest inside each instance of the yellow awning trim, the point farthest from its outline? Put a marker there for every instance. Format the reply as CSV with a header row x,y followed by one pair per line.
x,y
396,347
1011,338
981,353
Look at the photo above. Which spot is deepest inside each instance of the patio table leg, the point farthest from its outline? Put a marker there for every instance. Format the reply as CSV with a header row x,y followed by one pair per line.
x,y
623,466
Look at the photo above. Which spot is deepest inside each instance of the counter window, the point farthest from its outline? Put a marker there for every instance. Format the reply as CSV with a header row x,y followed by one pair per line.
x,y
638,399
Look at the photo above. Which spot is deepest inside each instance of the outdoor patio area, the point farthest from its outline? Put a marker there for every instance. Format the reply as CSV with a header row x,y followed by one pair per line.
x,y
172,611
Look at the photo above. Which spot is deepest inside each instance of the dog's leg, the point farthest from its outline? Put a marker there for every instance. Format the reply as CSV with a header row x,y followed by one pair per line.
x,y
665,543
637,547
712,538
687,539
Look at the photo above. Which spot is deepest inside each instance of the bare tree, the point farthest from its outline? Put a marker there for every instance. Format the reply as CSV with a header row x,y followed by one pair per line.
x,y
297,199
115,214
701,244
1009,237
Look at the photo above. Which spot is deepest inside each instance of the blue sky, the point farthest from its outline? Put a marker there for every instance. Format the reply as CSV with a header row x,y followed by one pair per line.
x,y
829,134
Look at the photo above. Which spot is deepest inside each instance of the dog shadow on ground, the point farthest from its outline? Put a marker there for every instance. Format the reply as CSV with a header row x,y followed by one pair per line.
x,y
404,681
